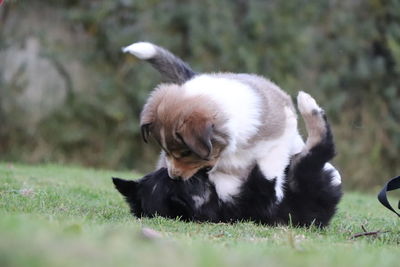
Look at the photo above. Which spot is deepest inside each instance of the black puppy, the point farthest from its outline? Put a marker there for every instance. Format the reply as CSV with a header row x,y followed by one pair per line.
x,y
312,187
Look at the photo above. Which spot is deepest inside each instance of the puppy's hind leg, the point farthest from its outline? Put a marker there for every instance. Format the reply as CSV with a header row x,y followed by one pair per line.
x,y
313,184
319,147
314,118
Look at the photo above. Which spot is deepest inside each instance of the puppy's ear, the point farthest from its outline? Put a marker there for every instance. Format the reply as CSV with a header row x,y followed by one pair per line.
x,y
130,190
145,131
147,118
196,134
127,188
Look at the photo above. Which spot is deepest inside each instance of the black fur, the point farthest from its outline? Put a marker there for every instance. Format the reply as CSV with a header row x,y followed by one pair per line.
x,y
310,198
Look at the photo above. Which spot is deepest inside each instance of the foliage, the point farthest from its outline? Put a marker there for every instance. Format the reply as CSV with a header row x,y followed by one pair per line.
x,y
345,53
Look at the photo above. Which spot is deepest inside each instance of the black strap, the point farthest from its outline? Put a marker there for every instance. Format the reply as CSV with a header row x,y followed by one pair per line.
x,y
389,186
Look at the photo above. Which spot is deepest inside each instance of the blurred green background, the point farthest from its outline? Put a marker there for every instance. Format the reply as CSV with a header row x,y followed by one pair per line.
x,y
68,94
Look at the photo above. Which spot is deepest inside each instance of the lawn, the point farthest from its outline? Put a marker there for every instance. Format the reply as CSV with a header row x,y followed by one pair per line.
x,y
53,215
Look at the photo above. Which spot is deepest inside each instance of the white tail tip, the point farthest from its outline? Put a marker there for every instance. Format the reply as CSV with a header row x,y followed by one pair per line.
x,y
141,50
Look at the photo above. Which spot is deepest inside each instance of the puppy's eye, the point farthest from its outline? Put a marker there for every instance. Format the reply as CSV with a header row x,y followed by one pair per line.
x,y
207,169
186,153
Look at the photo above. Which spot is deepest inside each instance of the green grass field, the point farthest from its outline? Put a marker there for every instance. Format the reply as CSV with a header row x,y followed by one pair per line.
x,y
54,215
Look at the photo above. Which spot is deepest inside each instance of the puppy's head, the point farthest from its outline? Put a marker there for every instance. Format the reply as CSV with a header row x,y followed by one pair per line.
x,y
157,194
186,128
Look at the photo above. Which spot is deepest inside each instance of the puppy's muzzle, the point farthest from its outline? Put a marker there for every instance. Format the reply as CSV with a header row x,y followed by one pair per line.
x,y
174,175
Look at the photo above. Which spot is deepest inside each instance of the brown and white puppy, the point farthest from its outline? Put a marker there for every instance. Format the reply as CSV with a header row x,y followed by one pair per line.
x,y
225,122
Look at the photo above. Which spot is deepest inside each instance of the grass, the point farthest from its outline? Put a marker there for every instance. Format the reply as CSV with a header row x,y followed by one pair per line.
x,y
54,215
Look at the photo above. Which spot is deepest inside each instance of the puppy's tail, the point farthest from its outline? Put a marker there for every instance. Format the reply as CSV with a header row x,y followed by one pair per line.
x,y
172,68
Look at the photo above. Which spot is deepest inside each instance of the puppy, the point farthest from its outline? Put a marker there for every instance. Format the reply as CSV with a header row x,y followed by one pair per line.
x,y
312,187
225,123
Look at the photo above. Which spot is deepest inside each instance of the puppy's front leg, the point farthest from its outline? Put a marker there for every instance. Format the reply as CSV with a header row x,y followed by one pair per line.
x,y
273,165
226,185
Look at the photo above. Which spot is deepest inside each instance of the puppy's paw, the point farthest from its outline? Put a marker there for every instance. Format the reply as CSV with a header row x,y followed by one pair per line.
x,y
336,178
307,105
141,50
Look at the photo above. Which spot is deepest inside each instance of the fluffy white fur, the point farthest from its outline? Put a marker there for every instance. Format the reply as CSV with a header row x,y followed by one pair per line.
x,y
226,185
141,50
243,108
